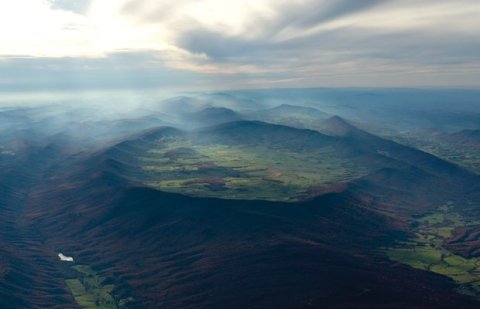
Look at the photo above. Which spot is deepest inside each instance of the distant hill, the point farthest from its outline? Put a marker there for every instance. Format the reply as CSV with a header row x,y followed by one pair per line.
x,y
261,133
291,115
287,110
180,104
210,116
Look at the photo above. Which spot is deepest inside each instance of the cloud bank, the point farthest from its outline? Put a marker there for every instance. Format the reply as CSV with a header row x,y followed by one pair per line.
x,y
245,43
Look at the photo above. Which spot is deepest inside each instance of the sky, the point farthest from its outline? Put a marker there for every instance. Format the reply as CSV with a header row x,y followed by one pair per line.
x,y
218,44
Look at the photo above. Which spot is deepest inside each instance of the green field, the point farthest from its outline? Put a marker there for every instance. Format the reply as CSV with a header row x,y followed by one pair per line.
x,y
426,251
243,171
90,290
465,155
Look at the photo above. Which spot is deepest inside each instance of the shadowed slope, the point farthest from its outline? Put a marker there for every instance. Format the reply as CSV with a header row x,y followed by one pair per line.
x,y
29,271
190,252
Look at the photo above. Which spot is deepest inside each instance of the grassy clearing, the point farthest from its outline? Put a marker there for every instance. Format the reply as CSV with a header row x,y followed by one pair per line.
x,y
426,252
246,172
90,291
